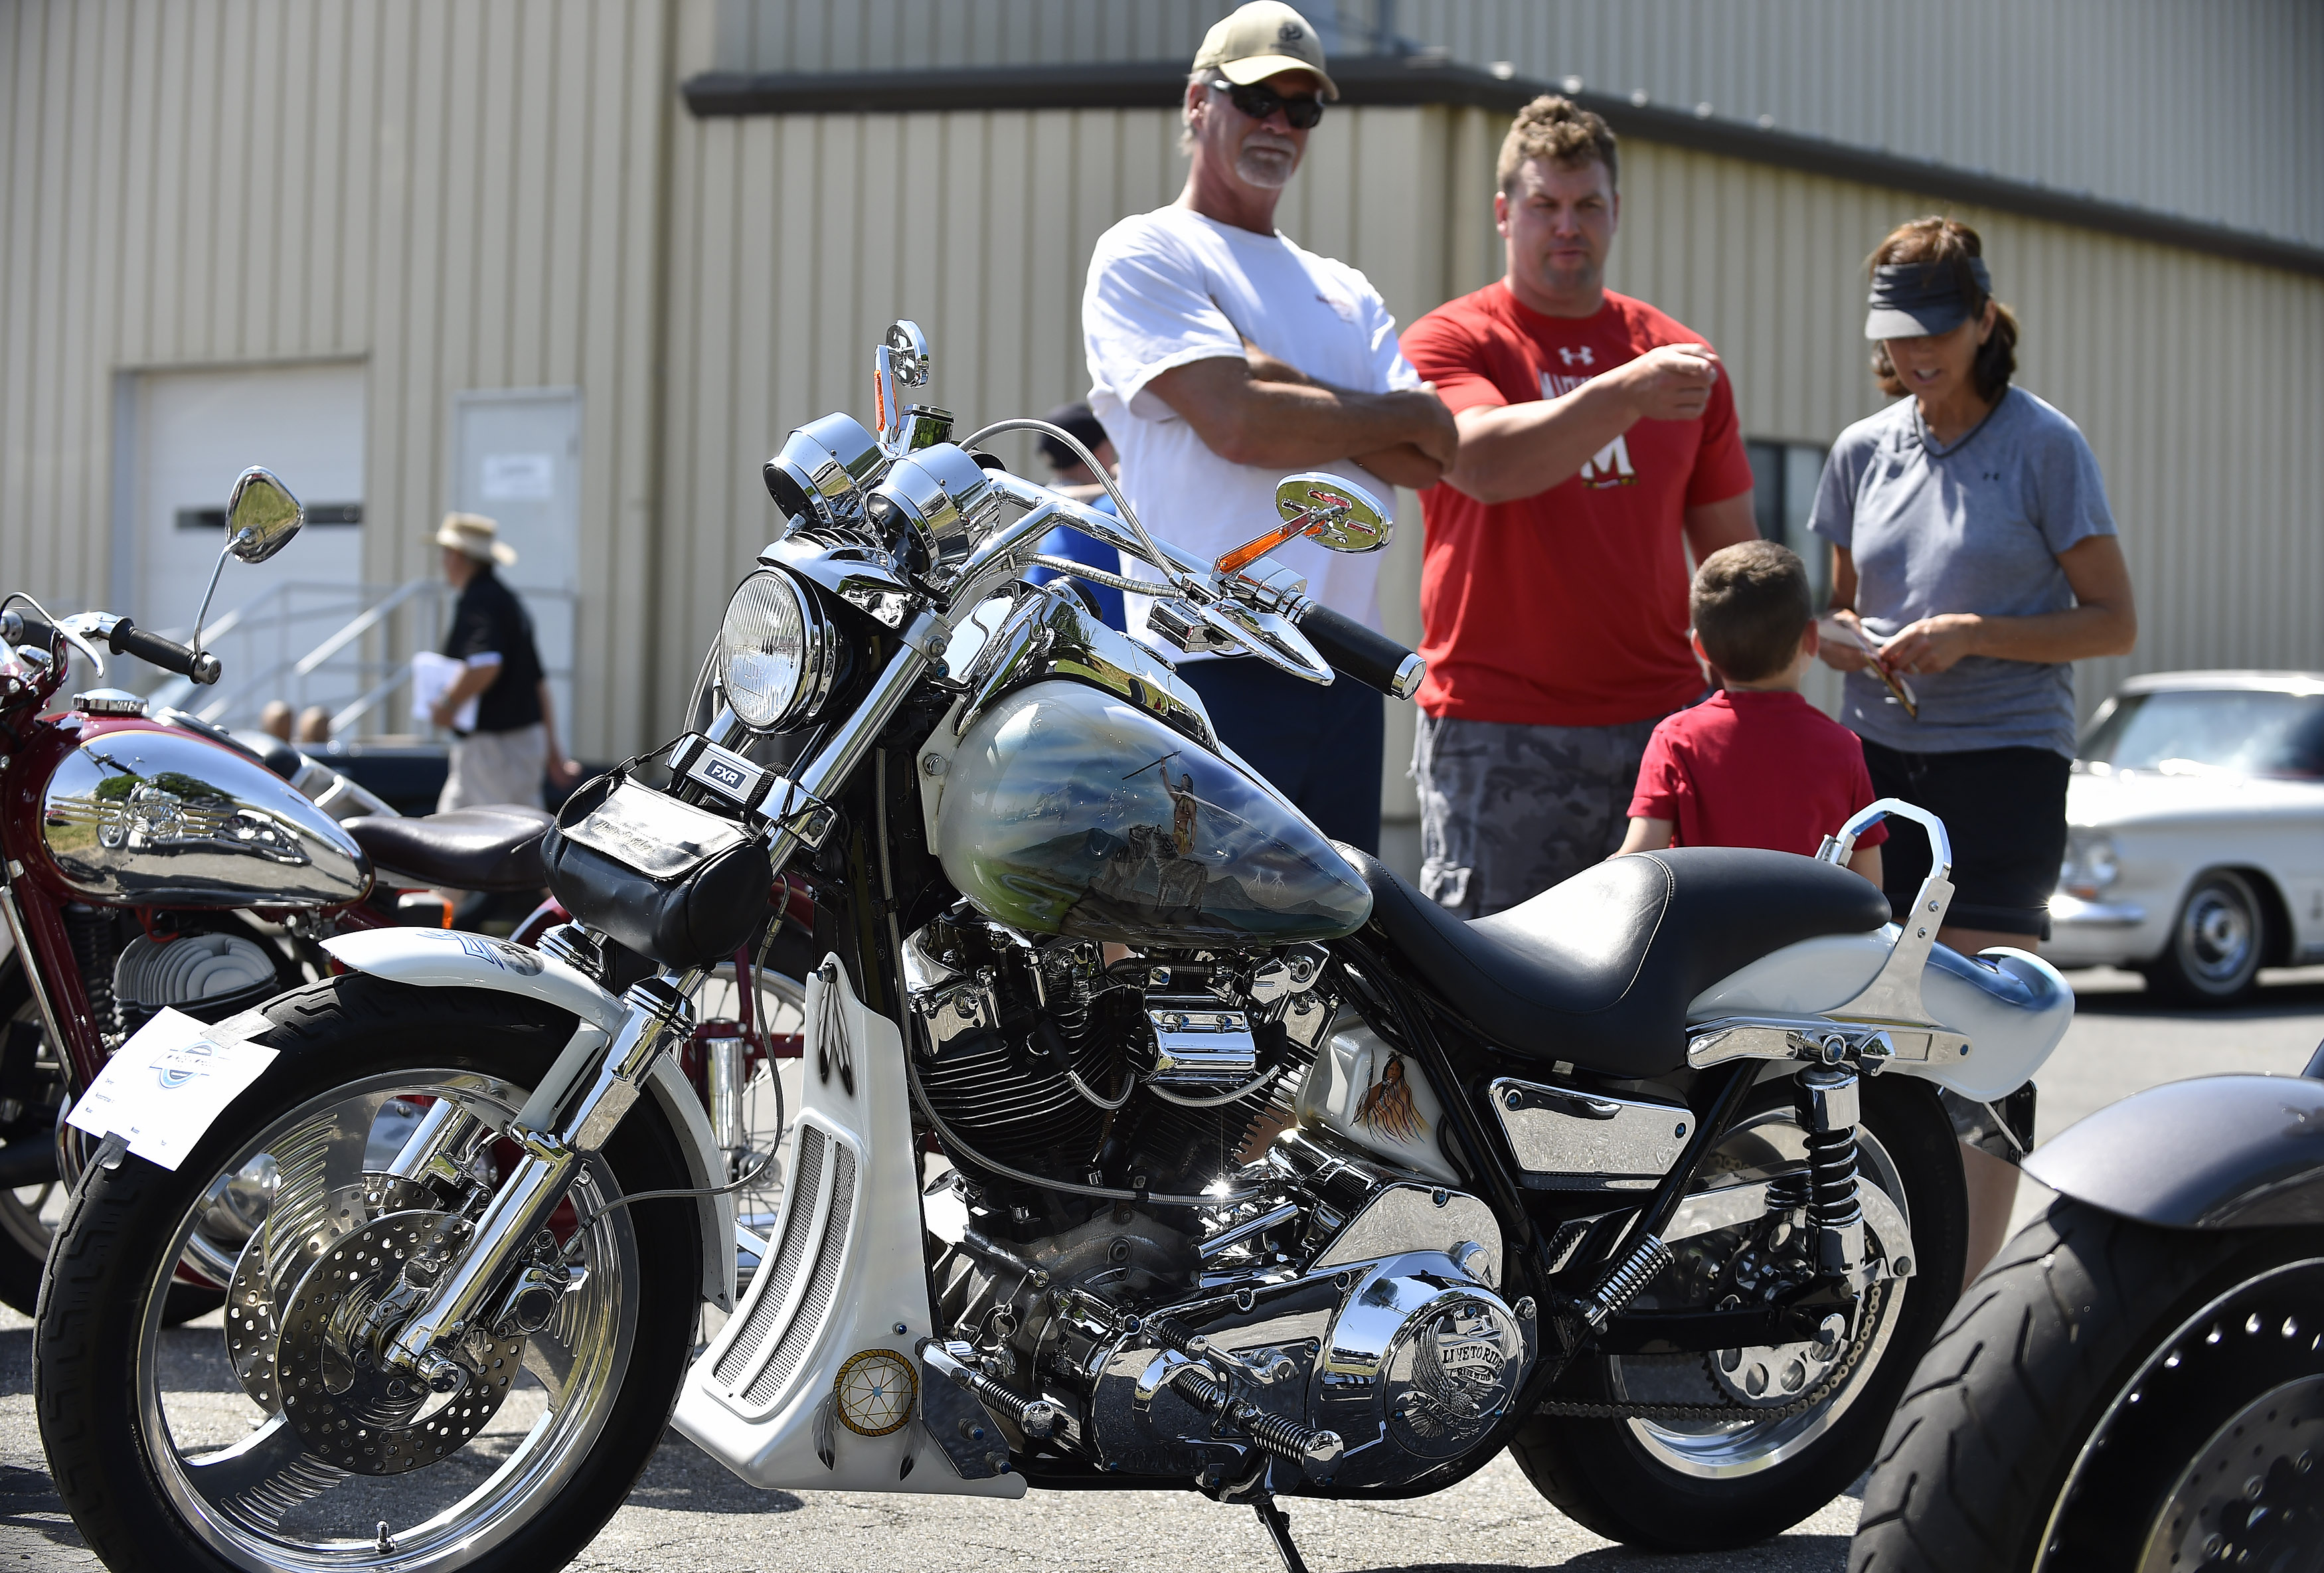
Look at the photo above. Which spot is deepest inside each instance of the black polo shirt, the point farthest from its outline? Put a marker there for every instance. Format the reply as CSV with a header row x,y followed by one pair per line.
x,y
489,620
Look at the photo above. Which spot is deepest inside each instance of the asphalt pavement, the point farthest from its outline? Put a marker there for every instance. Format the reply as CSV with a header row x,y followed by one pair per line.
x,y
688,1514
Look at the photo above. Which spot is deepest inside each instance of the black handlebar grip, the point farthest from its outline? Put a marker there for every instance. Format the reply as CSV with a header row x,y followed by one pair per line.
x,y
128,639
20,625
1353,650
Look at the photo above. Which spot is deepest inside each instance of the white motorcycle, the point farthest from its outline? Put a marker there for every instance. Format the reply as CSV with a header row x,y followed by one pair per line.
x,y
1149,1138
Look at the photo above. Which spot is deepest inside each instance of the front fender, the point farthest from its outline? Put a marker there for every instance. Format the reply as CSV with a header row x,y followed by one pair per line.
x,y
438,958
2214,1152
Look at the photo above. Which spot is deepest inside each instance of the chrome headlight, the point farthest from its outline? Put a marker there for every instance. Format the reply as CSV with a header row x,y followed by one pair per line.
x,y
775,656
2092,864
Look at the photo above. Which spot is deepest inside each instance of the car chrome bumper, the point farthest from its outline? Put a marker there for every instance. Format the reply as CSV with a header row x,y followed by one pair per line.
x,y
2072,911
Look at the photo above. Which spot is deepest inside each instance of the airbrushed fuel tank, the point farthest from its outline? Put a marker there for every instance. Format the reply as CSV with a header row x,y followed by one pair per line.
x,y
1069,811
138,814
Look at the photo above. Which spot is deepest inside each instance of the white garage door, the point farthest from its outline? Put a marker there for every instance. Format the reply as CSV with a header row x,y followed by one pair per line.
x,y
193,433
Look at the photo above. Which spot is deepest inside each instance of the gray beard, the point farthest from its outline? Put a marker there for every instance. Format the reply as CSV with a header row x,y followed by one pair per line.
x,y
1268,169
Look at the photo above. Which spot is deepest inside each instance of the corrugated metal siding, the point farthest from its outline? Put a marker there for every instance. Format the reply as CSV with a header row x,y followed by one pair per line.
x,y
464,195
2208,111
796,239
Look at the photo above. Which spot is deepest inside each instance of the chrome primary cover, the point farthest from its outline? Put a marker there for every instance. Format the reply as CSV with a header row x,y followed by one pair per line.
x,y
1069,811
138,814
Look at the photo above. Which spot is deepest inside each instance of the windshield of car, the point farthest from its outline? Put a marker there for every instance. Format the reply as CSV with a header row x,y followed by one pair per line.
x,y
2187,731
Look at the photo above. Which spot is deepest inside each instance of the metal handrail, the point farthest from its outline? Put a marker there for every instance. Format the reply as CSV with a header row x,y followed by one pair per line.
x,y
362,623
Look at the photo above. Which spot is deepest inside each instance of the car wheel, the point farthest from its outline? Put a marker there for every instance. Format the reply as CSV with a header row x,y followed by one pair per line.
x,y
2217,943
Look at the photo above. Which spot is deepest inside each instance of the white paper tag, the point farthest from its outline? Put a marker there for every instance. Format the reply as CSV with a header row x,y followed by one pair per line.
x,y
164,1086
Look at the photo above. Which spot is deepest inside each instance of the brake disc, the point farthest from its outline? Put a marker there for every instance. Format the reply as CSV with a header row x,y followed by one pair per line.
x,y
254,1294
347,1405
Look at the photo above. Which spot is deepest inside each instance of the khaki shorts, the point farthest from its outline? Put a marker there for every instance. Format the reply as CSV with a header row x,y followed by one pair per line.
x,y
497,766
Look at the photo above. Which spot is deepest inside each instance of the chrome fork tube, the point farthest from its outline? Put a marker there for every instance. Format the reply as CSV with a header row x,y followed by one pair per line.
x,y
723,1059
521,1207
923,640
441,1145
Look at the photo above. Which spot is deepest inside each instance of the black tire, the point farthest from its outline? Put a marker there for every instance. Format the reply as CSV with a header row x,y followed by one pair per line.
x,y
2082,1309
1602,1473
86,1387
2219,940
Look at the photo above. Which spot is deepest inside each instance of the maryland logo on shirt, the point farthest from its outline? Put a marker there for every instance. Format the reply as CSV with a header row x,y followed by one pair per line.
x,y
1609,465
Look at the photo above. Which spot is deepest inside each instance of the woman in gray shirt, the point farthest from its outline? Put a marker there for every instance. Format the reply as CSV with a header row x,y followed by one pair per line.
x,y
1972,548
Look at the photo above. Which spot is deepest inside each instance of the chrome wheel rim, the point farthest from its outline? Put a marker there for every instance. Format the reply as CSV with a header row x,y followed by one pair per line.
x,y
2218,935
1718,1449
261,1499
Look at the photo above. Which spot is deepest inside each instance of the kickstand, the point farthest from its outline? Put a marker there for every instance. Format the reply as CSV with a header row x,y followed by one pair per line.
x,y
1278,1530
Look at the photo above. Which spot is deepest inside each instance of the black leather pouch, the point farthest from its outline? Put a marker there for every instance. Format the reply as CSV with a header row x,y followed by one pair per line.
x,y
670,880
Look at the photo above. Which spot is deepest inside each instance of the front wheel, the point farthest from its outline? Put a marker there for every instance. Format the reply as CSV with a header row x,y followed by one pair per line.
x,y
281,1441
2217,941
1805,1418
2112,1394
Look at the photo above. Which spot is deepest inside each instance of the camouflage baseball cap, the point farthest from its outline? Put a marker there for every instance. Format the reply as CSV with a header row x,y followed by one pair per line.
x,y
1254,41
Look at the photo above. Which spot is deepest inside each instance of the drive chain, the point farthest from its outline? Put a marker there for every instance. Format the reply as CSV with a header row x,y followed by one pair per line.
x,y
1874,1303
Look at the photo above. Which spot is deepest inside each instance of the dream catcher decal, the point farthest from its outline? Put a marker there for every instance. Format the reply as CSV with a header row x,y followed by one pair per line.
x,y
1387,1109
832,1049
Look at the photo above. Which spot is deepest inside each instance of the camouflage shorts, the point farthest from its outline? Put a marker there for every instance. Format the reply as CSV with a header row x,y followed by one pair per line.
x,y
1508,810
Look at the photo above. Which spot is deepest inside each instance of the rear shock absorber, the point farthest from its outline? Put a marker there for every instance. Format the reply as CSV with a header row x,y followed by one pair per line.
x,y
1829,1112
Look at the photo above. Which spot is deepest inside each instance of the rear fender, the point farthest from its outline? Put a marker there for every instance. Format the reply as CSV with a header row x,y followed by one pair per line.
x,y
2214,1152
436,958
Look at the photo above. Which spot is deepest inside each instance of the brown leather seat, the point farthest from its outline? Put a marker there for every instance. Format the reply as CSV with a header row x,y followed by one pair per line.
x,y
1600,970
493,848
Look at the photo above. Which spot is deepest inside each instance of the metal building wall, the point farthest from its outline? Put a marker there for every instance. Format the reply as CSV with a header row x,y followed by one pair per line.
x,y
460,195
2207,110
795,239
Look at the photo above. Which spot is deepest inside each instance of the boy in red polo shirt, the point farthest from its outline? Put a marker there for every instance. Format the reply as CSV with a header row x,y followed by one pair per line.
x,y
1755,765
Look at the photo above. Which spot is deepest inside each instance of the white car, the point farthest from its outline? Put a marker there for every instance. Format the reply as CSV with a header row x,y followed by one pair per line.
x,y
2195,844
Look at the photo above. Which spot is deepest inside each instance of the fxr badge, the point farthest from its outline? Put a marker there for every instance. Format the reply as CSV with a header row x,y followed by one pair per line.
x,y
162,1087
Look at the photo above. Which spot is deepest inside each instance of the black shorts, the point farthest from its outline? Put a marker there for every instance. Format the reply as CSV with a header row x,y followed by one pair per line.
x,y
2005,811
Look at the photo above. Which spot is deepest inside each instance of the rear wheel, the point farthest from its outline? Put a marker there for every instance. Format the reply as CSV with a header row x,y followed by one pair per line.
x,y
2217,941
203,1448
1712,1483
2111,1395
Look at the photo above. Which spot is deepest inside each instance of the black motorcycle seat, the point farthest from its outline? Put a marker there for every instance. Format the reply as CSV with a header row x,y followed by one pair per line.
x,y
494,848
1599,971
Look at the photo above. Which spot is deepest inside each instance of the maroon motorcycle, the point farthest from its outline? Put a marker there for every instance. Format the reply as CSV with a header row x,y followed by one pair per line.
x,y
155,861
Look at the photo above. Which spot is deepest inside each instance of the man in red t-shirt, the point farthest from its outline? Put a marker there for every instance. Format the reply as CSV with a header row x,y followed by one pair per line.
x,y
1598,441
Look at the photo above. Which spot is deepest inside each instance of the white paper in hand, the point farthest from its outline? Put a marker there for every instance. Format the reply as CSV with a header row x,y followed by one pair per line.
x,y
432,677
164,1086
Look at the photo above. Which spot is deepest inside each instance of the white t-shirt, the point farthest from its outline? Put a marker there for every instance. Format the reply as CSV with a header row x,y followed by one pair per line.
x,y
1171,287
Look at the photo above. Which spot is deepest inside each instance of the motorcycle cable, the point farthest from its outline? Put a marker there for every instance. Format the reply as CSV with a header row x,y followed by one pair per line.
x,y
766,1160
1128,514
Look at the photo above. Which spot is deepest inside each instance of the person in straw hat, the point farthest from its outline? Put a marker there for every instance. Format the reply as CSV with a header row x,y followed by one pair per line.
x,y
513,746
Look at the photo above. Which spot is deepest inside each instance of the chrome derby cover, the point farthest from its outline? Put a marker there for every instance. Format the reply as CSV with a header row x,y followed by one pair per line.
x,y
1071,812
137,814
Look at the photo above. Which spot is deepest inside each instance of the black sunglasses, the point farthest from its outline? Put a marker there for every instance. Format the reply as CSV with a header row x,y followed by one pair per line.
x,y
1259,102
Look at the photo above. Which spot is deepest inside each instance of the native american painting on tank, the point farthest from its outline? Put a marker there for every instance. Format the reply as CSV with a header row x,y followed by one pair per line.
x,y
1067,811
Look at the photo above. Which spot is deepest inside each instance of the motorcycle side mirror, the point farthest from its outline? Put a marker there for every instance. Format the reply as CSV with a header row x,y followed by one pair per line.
x,y
900,360
1335,513
260,518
